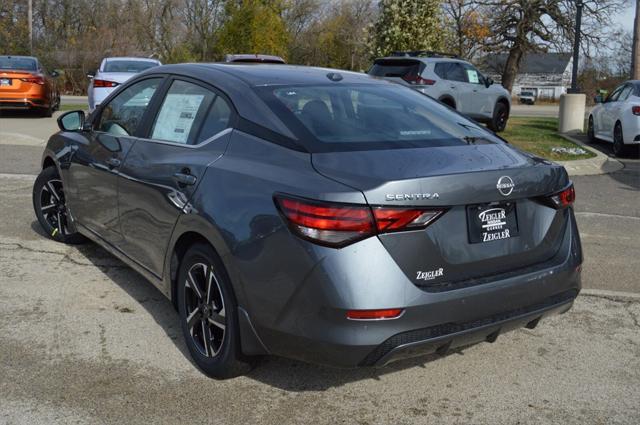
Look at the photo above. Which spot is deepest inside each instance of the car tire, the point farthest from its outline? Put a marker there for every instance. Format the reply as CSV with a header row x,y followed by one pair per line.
x,y
209,315
500,116
50,208
619,149
591,133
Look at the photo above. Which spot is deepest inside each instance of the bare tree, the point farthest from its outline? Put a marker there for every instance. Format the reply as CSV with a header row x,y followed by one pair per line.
x,y
469,27
522,26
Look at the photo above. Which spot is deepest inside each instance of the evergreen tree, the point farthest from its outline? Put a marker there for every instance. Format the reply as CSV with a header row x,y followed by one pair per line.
x,y
406,25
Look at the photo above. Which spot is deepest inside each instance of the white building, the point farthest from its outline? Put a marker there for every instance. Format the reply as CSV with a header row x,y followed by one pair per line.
x,y
547,75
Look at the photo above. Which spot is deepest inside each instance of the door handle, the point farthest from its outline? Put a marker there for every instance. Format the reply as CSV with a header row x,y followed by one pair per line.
x,y
113,162
185,179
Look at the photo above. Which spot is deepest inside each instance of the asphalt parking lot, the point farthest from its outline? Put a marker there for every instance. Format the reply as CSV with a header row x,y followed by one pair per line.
x,y
84,339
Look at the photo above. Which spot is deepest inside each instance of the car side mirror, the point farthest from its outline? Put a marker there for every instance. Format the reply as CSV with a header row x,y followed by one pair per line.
x,y
54,74
90,76
488,82
72,121
598,99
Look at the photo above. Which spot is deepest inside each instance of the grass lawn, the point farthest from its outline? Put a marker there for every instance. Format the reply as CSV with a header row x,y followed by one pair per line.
x,y
538,135
73,107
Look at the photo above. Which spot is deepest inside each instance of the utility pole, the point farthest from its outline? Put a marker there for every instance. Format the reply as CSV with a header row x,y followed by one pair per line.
x,y
635,53
576,47
31,27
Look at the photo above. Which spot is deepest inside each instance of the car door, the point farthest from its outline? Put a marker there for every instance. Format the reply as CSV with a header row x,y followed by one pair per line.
x,y
93,172
457,83
190,130
481,99
607,114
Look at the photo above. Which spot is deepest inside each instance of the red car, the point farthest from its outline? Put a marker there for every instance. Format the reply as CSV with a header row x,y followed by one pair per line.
x,y
25,84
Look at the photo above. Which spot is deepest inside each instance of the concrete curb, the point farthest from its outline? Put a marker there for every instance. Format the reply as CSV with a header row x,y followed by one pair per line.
x,y
611,295
600,164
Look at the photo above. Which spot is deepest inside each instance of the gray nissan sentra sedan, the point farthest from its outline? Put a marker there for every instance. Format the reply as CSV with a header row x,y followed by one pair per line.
x,y
312,213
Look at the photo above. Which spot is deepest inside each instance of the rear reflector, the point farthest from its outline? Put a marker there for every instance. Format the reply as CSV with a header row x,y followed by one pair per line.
x,y
562,199
635,110
104,83
338,225
389,313
36,79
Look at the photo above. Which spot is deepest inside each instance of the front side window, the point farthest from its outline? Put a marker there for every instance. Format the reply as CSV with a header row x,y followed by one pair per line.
x,y
190,114
473,76
614,95
367,116
624,94
123,114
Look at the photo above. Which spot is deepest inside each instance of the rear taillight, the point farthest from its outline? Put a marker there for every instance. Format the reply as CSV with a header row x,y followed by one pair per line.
x,y
635,110
417,80
338,225
36,79
104,83
562,199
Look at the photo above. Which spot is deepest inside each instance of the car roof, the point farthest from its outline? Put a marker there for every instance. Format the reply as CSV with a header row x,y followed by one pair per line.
x,y
131,58
265,74
425,59
246,57
18,56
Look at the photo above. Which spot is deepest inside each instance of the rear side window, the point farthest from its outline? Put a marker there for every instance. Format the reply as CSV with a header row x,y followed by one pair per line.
x,y
451,71
123,114
190,114
368,116
396,68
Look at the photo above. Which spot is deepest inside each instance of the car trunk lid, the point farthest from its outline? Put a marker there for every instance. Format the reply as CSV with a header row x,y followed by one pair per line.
x,y
467,181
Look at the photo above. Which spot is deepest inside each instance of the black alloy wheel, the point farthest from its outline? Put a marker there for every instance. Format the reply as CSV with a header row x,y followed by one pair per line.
x,y
209,314
50,206
619,148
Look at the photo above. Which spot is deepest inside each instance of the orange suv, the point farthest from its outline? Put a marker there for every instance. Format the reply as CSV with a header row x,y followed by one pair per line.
x,y
25,84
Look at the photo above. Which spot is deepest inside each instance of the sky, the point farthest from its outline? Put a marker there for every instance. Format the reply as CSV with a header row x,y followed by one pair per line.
x,y
625,18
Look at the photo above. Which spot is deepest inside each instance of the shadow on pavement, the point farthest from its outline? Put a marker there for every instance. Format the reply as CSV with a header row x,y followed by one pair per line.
x,y
21,113
285,374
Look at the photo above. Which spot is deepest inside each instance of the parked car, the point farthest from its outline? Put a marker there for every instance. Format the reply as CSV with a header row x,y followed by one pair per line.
x,y
616,119
253,58
316,214
527,97
113,72
26,84
454,82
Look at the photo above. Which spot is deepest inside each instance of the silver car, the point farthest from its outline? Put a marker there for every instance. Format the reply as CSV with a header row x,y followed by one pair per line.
x,y
112,73
452,81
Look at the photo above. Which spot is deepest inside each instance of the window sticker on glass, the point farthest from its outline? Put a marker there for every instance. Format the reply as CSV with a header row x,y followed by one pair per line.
x,y
176,117
472,75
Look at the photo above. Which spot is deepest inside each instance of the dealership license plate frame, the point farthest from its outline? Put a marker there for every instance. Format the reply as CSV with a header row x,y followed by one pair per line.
x,y
493,223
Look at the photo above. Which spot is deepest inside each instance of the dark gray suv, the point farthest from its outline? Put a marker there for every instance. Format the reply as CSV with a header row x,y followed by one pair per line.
x,y
311,213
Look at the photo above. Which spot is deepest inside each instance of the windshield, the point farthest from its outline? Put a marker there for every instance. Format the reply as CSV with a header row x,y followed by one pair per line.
x,y
21,64
370,116
131,66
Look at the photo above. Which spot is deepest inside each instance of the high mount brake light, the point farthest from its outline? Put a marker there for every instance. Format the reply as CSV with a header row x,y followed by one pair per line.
x,y
562,199
337,225
104,83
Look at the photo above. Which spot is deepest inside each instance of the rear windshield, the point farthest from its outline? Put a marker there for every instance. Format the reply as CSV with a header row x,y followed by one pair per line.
x,y
128,66
370,116
396,68
20,64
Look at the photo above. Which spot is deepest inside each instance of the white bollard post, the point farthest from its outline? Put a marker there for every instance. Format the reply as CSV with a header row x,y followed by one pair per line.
x,y
572,107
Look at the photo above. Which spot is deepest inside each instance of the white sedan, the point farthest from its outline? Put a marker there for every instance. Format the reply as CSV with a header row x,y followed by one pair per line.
x,y
112,73
617,118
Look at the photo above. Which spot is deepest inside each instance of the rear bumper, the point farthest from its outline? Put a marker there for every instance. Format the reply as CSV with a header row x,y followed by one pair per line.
x,y
442,338
313,326
22,103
